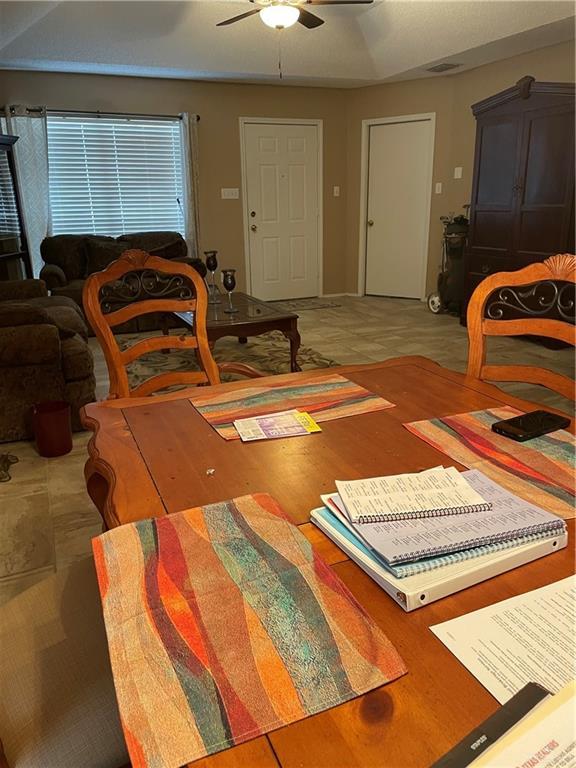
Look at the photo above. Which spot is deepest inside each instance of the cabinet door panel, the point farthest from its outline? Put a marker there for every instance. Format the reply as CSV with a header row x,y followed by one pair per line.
x,y
497,160
546,183
548,142
497,163
541,233
493,230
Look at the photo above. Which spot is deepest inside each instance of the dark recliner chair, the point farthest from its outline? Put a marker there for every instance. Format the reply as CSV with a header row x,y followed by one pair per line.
x,y
44,355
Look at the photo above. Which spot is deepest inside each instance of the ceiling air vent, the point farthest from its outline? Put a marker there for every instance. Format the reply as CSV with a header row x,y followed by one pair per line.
x,y
443,67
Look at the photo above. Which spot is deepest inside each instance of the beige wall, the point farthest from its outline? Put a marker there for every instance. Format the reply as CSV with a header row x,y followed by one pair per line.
x,y
450,98
342,111
219,106
395,99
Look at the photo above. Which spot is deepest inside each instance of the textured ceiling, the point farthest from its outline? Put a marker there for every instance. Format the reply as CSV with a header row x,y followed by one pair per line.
x,y
388,40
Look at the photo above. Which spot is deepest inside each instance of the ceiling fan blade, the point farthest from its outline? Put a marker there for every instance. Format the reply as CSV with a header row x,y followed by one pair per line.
x,y
309,20
238,18
339,2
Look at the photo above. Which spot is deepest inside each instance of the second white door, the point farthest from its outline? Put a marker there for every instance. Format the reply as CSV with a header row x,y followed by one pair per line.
x,y
398,209
282,188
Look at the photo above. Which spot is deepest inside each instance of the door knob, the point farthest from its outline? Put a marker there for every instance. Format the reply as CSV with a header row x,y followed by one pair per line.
x,y
253,227
370,223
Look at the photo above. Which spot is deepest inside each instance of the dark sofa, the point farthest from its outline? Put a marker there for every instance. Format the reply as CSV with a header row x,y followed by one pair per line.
x,y
69,259
44,355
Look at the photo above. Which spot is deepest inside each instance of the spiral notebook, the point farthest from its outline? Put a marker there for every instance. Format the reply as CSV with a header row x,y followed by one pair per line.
x,y
435,492
333,522
510,517
426,584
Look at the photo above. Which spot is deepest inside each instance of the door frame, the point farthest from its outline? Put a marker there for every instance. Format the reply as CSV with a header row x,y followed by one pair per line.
x,y
244,121
365,147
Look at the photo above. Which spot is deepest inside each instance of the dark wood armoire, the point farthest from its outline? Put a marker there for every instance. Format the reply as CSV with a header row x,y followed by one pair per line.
x,y
522,206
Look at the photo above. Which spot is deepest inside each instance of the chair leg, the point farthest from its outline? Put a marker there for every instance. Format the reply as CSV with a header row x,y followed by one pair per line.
x,y
165,331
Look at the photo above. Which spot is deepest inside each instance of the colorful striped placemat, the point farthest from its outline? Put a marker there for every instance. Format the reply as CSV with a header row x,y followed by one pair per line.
x,y
223,624
540,470
323,397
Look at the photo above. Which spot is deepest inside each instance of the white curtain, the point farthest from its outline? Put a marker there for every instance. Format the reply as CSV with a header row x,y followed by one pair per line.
x,y
31,156
189,128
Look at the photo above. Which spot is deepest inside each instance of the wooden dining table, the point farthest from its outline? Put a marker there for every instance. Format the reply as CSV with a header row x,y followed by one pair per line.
x,y
157,455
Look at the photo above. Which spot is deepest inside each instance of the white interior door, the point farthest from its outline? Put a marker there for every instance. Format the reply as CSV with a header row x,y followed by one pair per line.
x,y
398,209
282,190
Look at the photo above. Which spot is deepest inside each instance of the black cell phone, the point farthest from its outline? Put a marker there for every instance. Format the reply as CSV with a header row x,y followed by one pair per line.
x,y
529,425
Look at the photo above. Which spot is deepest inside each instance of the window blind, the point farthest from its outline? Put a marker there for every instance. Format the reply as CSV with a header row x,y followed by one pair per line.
x,y
9,225
112,175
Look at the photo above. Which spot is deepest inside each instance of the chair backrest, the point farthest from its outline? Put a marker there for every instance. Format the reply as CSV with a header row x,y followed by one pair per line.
x,y
538,300
137,284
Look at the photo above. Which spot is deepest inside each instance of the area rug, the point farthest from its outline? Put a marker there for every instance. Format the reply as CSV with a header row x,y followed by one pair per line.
x,y
324,397
26,536
301,305
540,470
227,616
269,353
6,461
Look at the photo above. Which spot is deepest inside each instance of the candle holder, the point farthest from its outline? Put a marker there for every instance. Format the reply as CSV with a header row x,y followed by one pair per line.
x,y
229,283
212,266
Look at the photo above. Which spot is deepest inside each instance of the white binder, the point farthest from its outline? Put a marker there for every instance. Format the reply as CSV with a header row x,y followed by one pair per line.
x,y
415,591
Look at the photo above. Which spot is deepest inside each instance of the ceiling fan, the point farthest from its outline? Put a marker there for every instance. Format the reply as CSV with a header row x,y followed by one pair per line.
x,y
280,14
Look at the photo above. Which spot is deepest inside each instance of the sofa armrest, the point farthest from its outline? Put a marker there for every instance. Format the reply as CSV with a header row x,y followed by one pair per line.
x,y
29,345
13,313
54,276
20,290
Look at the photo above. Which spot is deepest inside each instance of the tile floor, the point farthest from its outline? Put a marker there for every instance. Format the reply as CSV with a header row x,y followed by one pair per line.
x,y
46,517
369,329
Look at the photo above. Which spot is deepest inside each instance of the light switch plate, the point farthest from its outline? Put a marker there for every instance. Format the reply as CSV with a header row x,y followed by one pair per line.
x,y
336,191
458,172
230,193
438,188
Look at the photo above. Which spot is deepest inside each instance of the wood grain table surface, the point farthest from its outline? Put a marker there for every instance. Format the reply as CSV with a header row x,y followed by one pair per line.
x,y
152,456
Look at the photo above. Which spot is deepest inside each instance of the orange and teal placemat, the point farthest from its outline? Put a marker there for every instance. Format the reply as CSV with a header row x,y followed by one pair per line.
x,y
323,397
223,624
540,470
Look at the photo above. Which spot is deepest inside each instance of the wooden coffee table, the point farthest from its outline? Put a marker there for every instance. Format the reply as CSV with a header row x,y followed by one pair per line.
x,y
253,318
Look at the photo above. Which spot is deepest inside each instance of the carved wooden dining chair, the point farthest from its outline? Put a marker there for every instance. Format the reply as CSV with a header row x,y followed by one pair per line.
x,y
137,284
538,300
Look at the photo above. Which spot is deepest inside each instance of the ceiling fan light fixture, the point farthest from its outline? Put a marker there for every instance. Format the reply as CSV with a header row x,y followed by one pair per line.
x,y
280,16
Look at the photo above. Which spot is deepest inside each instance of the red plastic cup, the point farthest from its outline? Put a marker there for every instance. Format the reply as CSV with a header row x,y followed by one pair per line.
x,y
52,428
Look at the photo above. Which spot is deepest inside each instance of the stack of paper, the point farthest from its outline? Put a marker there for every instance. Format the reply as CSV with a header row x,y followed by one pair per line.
x,y
419,558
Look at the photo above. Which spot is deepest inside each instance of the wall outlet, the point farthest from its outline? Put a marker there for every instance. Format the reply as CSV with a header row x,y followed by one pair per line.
x,y
229,193
458,172
336,191
438,188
